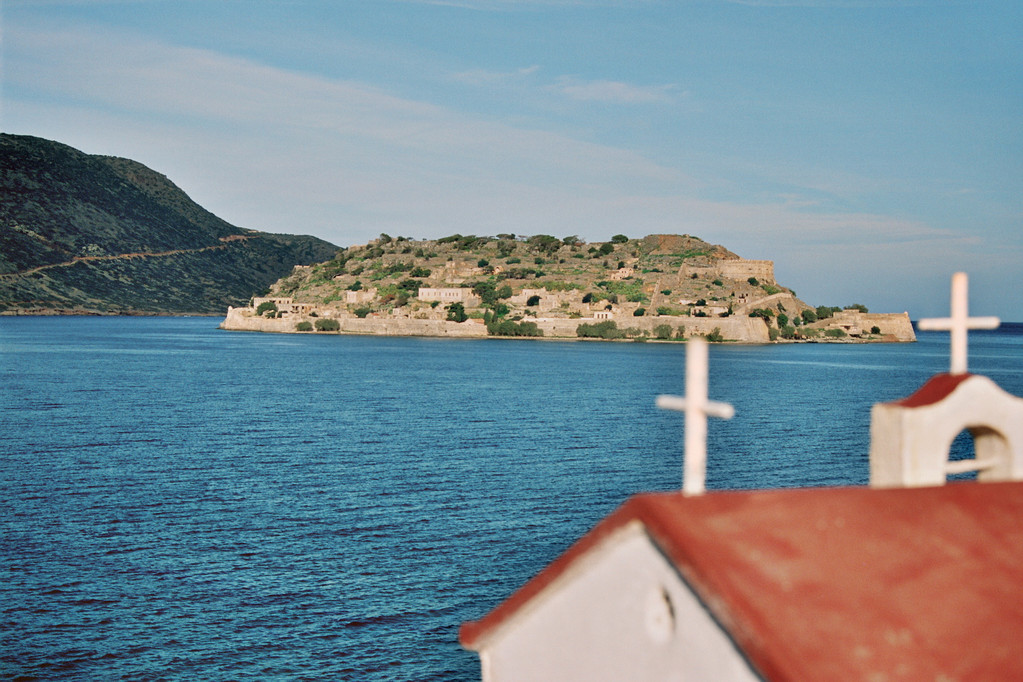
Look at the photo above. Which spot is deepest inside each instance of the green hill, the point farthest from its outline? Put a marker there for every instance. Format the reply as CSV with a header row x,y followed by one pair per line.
x,y
83,233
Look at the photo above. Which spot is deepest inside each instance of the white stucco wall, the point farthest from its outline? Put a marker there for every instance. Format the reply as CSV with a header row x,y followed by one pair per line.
x,y
621,613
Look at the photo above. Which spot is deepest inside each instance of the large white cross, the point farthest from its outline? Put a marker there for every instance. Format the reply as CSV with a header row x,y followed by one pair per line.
x,y
697,408
959,323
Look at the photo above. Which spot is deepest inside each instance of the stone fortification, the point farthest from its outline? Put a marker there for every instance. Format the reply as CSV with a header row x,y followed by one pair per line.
x,y
675,286
742,269
243,319
897,326
738,269
742,329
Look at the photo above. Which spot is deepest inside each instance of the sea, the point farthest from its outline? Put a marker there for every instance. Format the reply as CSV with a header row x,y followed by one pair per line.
x,y
179,502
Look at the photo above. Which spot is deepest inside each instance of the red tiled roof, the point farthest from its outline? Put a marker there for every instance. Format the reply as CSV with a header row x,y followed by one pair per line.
x,y
937,388
840,583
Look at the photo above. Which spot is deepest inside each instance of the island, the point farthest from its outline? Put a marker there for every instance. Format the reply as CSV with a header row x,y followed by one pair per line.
x,y
660,287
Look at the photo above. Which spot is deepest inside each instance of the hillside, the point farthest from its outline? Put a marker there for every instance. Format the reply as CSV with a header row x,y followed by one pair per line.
x,y
660,286
84,233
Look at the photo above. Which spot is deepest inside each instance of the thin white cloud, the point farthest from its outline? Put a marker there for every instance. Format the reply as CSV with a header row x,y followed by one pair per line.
x,y
484,77
613,91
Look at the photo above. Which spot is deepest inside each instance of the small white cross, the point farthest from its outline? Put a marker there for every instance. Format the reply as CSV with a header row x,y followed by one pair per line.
x,y
959,323
697,408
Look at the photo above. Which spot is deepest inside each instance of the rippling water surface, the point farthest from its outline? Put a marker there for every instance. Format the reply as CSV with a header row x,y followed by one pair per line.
x,y
181,502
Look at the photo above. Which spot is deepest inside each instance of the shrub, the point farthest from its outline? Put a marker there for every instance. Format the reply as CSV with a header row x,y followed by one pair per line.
x,y
666,292
715,335
824,311
665,310
456,313
605,249
601,330
662,331
533,300
875,330
808,316
482,263
754,281
363,312
304,326
619,239
325,325
834,333
788,332
266,306
509,328
718,283
857,306
639,312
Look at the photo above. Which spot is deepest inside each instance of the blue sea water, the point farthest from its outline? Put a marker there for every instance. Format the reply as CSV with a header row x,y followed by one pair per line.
x,y
180,502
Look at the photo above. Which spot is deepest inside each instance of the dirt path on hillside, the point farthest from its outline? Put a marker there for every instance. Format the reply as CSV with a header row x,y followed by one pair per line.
x,y
124,256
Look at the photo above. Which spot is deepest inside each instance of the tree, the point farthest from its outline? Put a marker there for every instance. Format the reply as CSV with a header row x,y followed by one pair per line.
x,y
875,330
266,306
607,329
824,311
545,243
754,281
619,239
325,325
715,335
808,316
639,312
487,291
858,306
662,331
362,312
605,249
532,301
482,263
456,312
304,326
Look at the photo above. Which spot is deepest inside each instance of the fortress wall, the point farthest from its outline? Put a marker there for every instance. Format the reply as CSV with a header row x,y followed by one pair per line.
x,y
896,325
412,327
745,329
242,319
763,270
791,304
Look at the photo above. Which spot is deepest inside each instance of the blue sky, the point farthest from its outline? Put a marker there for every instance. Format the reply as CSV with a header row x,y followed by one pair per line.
x,y
869,147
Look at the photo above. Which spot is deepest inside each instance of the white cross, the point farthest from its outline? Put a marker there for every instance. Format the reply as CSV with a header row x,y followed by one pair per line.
x,y
958,324
697,409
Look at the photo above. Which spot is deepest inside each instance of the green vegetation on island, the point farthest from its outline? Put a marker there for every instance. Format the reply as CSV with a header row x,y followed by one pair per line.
x,y
660,287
